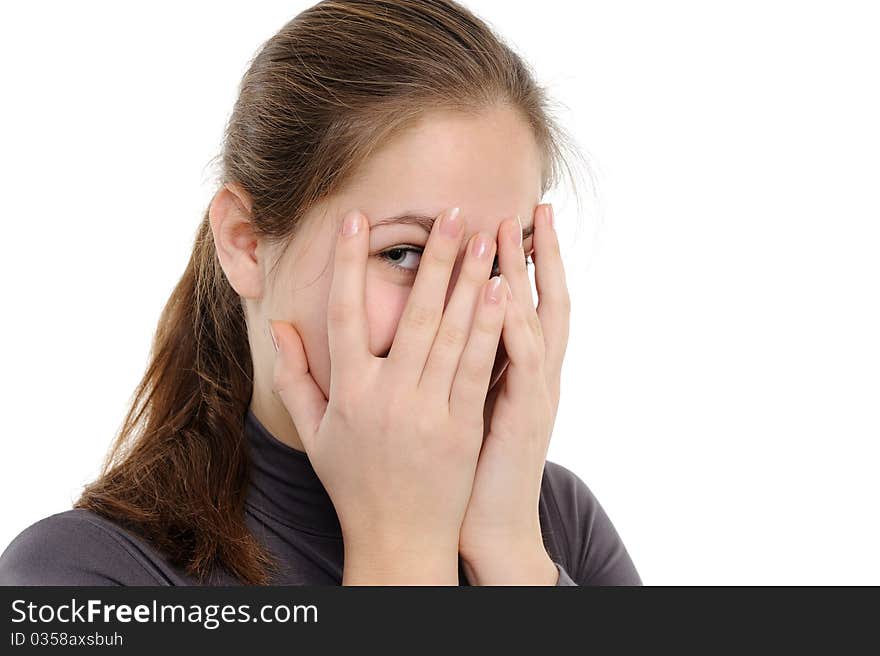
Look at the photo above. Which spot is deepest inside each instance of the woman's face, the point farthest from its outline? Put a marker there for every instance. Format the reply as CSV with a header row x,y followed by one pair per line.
x,y
488,166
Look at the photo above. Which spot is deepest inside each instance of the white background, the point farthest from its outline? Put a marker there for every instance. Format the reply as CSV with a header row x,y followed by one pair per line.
x,y
721,395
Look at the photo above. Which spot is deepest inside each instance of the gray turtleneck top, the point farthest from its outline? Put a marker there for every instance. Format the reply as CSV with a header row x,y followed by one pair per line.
x,y
290,512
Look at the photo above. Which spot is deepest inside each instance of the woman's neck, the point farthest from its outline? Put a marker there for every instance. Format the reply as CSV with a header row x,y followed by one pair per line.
x,y
274,416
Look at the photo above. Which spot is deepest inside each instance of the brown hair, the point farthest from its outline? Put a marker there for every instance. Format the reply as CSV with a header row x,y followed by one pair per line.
x,y
334,83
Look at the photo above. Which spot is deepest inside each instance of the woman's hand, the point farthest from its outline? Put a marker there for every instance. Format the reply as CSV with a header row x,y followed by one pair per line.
x,y
500,541
397,442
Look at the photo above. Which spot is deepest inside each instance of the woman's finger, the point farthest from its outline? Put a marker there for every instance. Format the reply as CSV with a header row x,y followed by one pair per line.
x,y
511,260
347,329
468,394
293,383
554,304
417,328
458,316
526,354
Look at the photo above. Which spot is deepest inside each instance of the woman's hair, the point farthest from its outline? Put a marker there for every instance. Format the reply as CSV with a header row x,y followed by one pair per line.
x,y
332,85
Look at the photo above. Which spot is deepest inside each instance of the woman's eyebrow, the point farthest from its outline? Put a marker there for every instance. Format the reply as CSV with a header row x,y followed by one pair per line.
x,y
426,222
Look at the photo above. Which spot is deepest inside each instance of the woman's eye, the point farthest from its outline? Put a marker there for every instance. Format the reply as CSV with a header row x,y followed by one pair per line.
x,y
398,256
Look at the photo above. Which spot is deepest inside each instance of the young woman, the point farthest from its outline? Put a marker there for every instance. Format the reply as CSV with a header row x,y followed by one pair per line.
x,y
351,383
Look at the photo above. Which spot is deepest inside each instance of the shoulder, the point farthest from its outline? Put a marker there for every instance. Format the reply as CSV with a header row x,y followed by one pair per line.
x,y
592,547
74,547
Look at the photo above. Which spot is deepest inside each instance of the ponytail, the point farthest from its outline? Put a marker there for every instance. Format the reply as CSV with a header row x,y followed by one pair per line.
x,y
177,472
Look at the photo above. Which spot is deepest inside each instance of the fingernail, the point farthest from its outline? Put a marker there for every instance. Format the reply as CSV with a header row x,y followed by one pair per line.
x,y
480,246
272,335
450,223
493,290
550,215
351,224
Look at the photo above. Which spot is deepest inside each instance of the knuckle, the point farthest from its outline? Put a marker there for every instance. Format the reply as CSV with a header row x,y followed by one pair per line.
x,y
565,302
451,337
530,321
535,325
472,374
420,316
533,358
453,446
486,325
338,312
560,300
471,422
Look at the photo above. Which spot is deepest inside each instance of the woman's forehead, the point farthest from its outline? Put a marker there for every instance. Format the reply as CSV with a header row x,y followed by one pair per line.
x,y
487,164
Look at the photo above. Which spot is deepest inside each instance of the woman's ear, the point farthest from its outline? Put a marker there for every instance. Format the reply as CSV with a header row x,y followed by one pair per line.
x,y
235,240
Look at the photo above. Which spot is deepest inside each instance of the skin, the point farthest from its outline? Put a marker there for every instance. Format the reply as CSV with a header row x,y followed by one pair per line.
x,y
489,167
